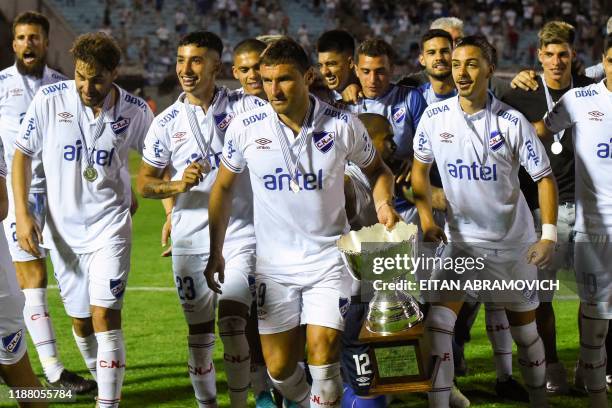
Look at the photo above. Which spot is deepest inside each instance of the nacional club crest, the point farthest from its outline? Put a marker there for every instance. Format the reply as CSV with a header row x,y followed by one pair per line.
x,y
323,140
120,125
223,120
398,113
12,341
496,141
117,287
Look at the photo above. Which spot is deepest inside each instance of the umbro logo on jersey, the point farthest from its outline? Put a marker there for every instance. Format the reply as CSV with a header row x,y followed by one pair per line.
x,y
16,92
323,141
398,114
363,381
120,125
496,141
179,136
596,116
65,117
263,142
12,341
446,137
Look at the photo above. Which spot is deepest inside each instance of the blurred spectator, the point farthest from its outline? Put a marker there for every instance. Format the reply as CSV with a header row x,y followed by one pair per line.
x,y
365,10
163,36
180,22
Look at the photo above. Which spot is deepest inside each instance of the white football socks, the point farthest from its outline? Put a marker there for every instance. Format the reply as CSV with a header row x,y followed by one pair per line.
x,y
295,387
439,329
593,359
88,346
326,386
38,322
236,358
111,367
202,369
532,361
498,331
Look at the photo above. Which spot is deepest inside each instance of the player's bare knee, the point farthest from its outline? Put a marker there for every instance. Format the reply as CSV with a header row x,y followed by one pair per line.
x,y
323,346
202,328
83,327
231,308
520,318
105,319
31,274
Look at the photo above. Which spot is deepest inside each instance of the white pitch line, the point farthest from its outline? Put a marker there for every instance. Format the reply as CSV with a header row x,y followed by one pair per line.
x,y
166,289
138,288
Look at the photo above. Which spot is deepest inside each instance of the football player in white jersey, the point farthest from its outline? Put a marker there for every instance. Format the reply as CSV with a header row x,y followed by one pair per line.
x,y
588,111
82,130
478,144
245,66
187,139
296,150
18,84
15,366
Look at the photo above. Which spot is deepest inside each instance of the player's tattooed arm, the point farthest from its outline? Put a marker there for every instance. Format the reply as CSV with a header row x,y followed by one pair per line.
x,y
151,184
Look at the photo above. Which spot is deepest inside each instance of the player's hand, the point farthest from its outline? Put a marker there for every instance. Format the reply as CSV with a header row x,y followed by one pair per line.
x,y
165,236
352,94
434,234
215,265
387,215
525,80
540,254
28,235
193,174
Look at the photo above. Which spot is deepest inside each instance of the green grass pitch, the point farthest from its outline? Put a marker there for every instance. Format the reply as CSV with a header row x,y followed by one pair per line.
x,y
156,335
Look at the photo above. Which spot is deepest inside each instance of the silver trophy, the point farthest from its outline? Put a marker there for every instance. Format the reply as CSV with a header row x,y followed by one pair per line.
x,y
391,310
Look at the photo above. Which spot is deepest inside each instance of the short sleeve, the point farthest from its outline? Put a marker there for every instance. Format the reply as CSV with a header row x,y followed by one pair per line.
x,y
360,149
145,120
416,107
156,151
232,156
30,137
422,145
559,118
531,152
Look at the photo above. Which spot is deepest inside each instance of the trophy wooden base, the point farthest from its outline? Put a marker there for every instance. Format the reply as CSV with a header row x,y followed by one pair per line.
x,y
398,361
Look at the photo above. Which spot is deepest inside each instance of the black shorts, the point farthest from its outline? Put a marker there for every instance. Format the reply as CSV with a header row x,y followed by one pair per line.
x,y
357,371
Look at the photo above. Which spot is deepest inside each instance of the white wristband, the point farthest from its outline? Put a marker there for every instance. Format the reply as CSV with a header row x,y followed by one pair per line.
x,y
549,232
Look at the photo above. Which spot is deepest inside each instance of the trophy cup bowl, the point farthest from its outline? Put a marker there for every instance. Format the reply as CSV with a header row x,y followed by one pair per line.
x,y
391,310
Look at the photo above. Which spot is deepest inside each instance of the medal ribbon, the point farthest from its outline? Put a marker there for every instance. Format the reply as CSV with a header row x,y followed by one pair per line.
x,y
292,165
487,131
98,130
190,111
550,104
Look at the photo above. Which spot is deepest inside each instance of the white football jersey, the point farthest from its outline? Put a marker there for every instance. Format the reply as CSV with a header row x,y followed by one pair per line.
x,y
171,143
589,111
485,203
85,215
300,229
403,107
16,93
